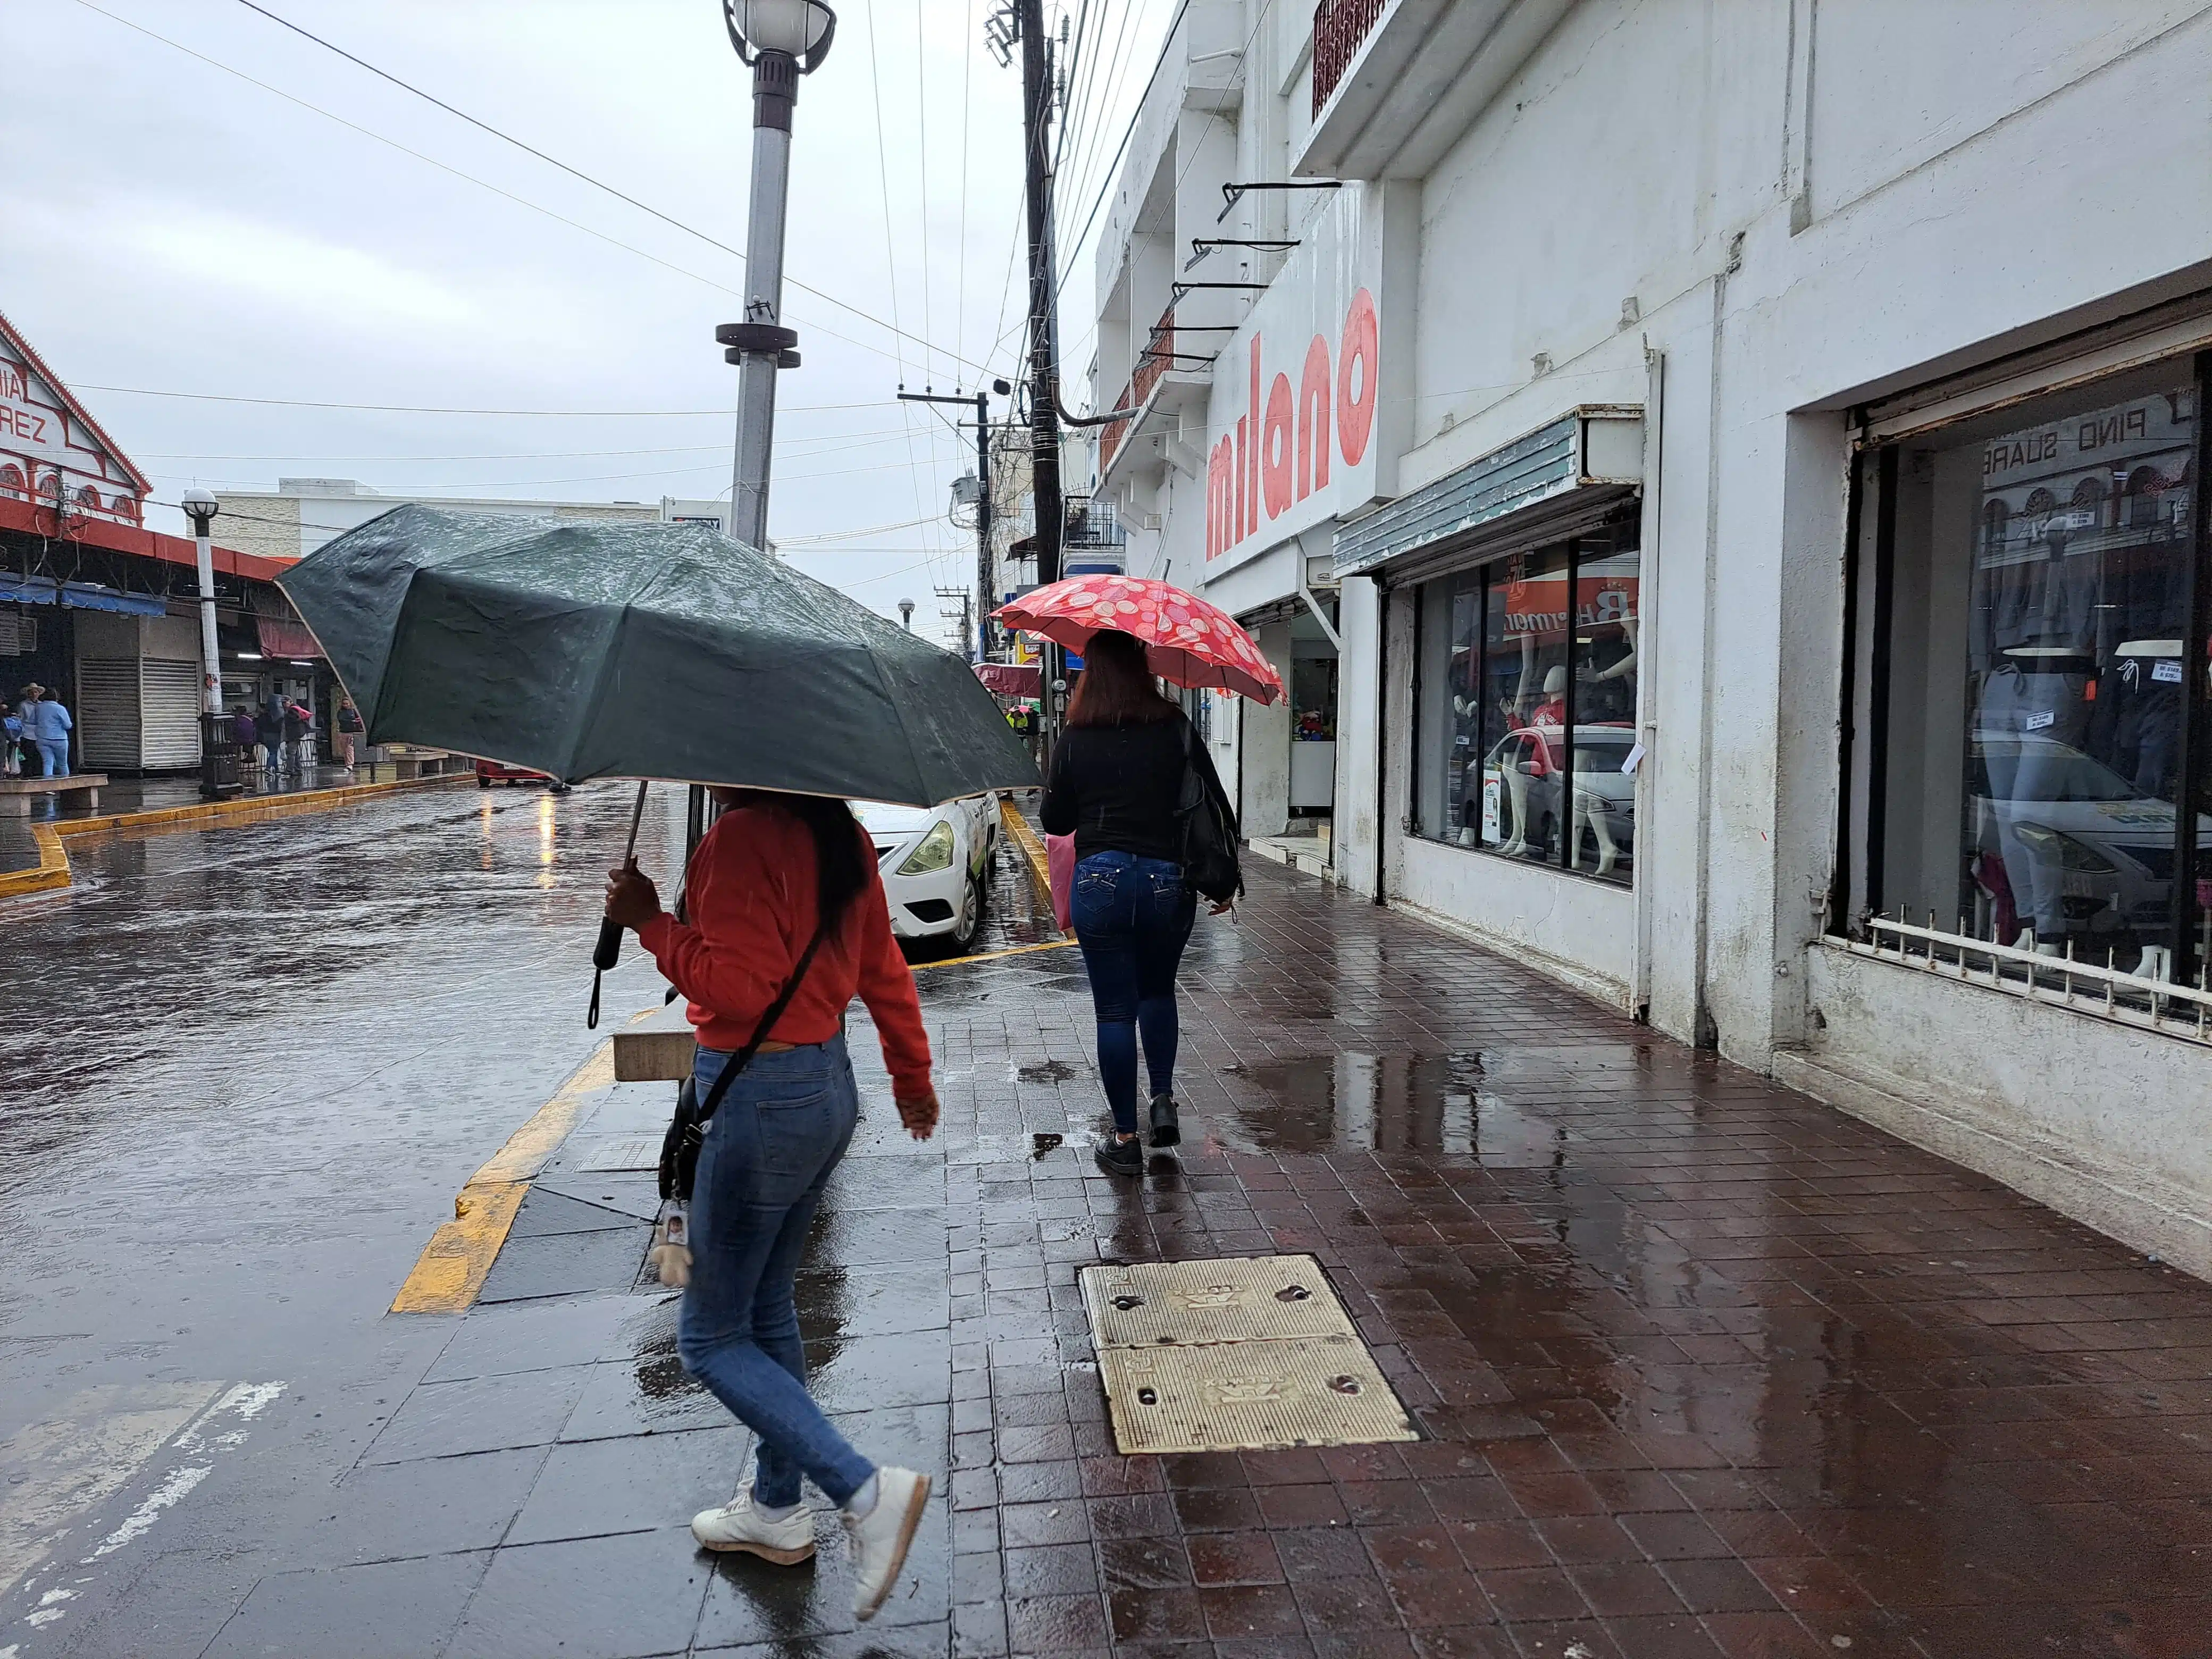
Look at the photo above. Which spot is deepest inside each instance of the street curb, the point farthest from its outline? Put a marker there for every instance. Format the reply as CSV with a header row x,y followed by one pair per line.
x,y
1032,849
450,1270
53,870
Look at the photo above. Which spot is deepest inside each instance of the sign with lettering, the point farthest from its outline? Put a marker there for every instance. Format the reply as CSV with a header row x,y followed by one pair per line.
x,y
1292,423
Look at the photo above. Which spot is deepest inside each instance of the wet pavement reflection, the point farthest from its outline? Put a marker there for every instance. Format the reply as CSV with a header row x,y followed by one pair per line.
x,y
1703,1368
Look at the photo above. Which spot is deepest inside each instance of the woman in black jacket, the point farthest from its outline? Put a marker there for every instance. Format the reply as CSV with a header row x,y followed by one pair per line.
x,y
1115,781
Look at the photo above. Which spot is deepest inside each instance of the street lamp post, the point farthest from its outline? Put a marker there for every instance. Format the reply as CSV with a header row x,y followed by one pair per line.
x,y
906,615
218,754
779,41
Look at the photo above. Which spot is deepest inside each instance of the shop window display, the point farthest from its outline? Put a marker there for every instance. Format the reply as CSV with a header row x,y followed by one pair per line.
x,y
2029,582
1527,724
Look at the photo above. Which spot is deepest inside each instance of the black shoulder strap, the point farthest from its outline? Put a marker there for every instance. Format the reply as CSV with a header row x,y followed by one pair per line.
x,y
743,1057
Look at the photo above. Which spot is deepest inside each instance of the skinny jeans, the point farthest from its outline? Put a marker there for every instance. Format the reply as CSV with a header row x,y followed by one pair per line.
x,y
1132,916
770,1147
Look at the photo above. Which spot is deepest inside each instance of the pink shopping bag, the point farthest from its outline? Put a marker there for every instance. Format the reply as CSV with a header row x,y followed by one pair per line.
x,y
1060,865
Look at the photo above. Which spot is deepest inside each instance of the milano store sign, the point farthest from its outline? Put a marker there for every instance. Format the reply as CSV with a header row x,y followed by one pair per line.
x,y
1291,419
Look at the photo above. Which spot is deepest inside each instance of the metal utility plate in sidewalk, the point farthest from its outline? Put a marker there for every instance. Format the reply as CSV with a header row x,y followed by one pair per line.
x,y
1238,1354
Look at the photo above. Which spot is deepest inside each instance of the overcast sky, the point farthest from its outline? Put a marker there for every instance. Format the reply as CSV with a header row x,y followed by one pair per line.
x,y
172,227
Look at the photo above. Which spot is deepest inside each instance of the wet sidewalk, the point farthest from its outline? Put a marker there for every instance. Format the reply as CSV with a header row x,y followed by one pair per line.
x,y
1704,1368
19,849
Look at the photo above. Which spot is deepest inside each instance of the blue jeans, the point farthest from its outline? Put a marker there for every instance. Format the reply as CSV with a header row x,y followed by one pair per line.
x,y
53,756
1132,916
770,1146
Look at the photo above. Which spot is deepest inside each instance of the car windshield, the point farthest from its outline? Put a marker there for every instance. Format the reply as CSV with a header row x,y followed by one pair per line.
x,y
1600,753
2045,772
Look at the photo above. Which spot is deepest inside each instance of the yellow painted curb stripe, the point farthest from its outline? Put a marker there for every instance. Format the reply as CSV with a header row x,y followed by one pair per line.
x,y
992,955
53,868
1032,849
450,1270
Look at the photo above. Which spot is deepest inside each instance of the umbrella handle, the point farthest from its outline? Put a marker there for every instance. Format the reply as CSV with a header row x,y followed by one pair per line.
x,y
609,949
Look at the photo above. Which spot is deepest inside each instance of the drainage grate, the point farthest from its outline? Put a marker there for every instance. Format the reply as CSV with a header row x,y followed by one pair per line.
x,y
1241,1353
609,1153
1237,1300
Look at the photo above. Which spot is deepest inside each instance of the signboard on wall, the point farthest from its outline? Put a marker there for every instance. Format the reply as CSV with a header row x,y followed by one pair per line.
x,y
49,447
1291,419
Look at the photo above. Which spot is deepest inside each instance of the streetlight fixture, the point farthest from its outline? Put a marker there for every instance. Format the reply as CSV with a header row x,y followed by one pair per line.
x,y
906,615
779,41
218,756
201,508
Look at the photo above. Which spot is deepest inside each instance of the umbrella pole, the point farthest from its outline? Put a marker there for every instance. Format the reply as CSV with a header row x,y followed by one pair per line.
x,y
609,949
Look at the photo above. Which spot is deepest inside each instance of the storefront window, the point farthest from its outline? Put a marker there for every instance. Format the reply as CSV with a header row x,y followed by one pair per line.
x,y
1528,709
2032,578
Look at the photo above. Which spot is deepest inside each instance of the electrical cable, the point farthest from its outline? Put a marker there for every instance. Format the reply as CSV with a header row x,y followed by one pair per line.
x,y
433,409
573,173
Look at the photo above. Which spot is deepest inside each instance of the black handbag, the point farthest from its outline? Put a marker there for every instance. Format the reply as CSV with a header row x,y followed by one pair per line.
x,y
687,1130
1209,831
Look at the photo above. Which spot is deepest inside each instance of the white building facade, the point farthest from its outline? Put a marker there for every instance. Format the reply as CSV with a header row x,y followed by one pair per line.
x,y
1761,537
301,514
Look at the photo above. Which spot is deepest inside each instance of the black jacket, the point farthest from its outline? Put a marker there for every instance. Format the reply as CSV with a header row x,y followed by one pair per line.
x,y
1116,788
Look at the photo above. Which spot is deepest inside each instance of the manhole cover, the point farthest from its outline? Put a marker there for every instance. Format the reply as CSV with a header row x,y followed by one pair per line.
x,y
612,1153
1236,1300
1318,1391
1245,1353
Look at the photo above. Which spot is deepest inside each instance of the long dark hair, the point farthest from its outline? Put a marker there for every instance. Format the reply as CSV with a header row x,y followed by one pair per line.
x,y
841,863
841,856
1117,687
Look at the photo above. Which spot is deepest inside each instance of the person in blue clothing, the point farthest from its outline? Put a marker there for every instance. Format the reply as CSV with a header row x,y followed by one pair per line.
x,y
48,724
1115,785
11,734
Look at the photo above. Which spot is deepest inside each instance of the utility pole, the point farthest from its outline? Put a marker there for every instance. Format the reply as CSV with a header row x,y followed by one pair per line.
x,y
1044,344
985,598
967,618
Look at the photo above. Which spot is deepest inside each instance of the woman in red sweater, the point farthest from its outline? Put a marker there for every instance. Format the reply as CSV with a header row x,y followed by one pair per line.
x,y
772,870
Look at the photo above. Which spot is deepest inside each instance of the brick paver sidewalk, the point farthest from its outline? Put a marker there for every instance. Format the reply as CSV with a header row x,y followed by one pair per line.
x,y
1709,1368
1704,1369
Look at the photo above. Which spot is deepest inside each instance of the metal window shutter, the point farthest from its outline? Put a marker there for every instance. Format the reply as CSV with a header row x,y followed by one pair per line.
x,y
106,712
169,718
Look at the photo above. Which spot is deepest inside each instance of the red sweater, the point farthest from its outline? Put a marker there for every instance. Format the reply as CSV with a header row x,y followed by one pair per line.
x,y
751,903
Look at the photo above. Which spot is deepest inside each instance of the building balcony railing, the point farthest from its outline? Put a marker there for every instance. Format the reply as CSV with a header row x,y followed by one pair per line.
x,y
1339,26
1157,358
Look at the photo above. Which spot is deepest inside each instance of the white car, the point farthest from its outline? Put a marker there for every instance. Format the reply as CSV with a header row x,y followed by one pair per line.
x,y
936,862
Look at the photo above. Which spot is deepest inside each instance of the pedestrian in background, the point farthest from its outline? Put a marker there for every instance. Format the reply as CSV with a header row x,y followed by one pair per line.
x,y
11,734
783,901
271,724
349,729
1115,785
48,724
296,737
244,734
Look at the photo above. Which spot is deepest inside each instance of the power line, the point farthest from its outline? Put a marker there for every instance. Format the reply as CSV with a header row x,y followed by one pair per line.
x,y
573,173
469,177
432,409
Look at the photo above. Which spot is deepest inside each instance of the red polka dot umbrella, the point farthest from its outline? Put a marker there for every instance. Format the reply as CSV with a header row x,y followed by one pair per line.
x,y
1187,640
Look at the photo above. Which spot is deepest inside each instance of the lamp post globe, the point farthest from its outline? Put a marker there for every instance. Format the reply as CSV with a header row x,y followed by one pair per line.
x,y
798,29
199,506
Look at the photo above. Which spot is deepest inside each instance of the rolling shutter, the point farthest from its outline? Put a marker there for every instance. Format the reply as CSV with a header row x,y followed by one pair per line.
x,y
106,712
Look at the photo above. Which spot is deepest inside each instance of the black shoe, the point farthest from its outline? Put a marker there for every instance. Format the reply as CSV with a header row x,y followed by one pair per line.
x,y
1120,1157
1166,1131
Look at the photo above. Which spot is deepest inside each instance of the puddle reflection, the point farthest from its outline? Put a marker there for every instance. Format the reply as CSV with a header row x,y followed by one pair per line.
x,y
1401,1103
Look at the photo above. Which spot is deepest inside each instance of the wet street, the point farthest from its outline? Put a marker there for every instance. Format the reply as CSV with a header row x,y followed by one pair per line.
x,y
1701,1368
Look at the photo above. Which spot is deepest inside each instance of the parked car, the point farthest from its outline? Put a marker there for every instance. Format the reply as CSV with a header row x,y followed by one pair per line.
x,y
489,772
2080,851
936,863
1518,800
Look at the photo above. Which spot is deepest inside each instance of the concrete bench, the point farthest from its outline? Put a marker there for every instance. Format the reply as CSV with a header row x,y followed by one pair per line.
x,y
15,793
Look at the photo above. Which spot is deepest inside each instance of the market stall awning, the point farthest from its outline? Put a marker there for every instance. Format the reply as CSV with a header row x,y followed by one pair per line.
x,y
1011,680
280,638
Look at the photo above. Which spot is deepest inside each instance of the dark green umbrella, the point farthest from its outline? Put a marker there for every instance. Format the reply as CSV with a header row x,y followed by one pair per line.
x,y
647,651
626,650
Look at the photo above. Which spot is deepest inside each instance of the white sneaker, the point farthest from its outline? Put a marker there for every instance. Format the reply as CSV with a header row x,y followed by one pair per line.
x,y
881,1536
737,1525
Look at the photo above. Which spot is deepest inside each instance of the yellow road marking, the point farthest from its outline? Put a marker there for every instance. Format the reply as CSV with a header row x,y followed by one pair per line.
x,y
992,955
450,1270
53,867
1032,849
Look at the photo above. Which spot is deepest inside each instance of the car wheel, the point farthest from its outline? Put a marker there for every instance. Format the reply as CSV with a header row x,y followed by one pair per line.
x,y
971,919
